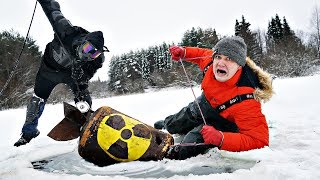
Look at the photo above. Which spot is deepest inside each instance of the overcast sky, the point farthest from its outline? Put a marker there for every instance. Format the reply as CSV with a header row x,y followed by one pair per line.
x,y
132,24
135,24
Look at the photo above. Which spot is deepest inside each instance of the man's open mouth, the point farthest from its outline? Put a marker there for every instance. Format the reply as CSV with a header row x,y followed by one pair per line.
x,y
220,71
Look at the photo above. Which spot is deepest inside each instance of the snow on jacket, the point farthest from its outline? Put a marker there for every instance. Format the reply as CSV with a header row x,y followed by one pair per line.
x,y
253,129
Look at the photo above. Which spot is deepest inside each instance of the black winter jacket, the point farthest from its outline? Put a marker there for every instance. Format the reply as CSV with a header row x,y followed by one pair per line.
x,y
61,51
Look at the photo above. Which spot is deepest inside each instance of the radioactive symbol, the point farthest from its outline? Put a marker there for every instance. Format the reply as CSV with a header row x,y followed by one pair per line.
x,y
123,138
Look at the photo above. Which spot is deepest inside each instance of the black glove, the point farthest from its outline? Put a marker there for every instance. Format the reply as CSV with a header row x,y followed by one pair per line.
x,y
77,73
83,95
84,80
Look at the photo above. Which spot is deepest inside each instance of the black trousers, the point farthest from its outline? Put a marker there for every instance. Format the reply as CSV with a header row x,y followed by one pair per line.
x,y
48,78
188,121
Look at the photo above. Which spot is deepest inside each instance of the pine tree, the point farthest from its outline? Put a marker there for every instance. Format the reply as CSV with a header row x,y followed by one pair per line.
x,y
285,49
200,38
237,28
270,40
20,88
289,37
274,35
190,38
209,38
254,50
279,30
287,32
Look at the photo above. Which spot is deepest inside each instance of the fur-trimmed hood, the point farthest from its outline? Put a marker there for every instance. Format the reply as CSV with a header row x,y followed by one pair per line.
x,y
264,93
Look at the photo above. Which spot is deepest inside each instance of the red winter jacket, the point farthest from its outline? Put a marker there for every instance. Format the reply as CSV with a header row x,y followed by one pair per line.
x,y
253,129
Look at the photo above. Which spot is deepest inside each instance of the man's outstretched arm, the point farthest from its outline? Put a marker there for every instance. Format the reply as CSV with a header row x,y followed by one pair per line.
x,y
60,24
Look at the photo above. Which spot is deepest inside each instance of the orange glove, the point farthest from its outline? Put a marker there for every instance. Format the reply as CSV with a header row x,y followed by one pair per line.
x,y
211,135
177,52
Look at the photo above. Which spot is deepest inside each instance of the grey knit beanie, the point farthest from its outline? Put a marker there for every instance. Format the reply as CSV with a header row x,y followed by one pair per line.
x,y
234,47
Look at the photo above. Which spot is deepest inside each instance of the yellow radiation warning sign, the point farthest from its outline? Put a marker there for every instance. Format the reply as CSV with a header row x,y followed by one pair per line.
x,y
123,138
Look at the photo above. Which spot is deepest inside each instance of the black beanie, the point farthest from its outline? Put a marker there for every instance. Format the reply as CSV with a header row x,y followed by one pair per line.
x,y
96,38
233,47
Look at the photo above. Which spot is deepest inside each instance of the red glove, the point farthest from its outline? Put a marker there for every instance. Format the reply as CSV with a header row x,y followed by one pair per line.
x,y
211,135
177,52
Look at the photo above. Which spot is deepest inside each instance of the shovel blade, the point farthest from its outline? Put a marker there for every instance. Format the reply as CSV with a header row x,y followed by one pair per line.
x,y
66,130
69,127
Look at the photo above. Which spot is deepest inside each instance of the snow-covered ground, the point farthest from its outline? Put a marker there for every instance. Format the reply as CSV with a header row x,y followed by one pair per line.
x,y
292,116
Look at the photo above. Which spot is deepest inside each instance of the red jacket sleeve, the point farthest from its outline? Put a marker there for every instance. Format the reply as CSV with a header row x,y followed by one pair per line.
x,y
199,56
253,128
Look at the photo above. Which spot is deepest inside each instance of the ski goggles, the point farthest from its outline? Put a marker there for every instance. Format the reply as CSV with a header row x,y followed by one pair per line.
x,y
88,52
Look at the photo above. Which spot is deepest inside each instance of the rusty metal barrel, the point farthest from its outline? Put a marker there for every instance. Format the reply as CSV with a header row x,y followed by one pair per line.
x,y
110,137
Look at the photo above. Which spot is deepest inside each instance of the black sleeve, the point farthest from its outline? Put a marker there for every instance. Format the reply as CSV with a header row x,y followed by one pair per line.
x,y
59,23
90,68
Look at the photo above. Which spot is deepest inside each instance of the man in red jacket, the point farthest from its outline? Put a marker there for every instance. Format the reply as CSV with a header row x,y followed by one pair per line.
x,y
233,88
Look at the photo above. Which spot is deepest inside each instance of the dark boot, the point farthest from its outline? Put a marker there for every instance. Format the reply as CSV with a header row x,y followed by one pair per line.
x,y
26,138
159,124
34,111
191,145
187,150
173,152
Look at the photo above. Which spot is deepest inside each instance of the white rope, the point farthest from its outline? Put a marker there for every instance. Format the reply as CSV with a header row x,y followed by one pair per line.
x,y
194,95
18,59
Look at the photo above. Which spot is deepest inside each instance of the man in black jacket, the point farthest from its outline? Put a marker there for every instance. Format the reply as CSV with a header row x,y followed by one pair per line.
x,y
72,58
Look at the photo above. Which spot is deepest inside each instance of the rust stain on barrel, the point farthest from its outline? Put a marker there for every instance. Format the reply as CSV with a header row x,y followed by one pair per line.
x,y
91,151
